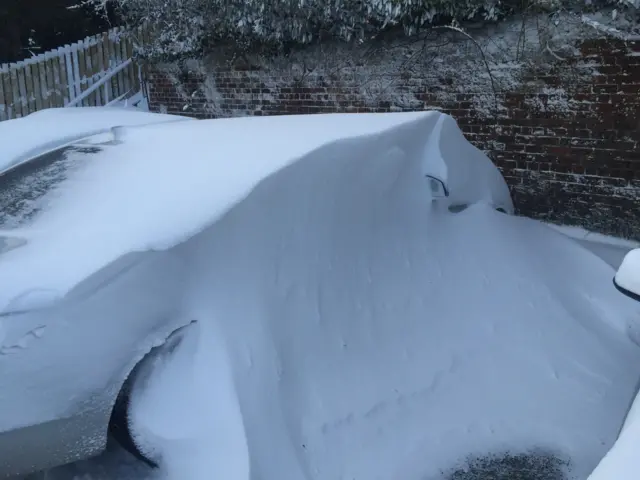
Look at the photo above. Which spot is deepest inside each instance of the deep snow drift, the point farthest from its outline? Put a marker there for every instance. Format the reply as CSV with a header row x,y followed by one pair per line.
x,y
187,415
372,334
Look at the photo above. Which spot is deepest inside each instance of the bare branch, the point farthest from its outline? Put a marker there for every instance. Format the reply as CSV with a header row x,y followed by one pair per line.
x,y
554,54
482,54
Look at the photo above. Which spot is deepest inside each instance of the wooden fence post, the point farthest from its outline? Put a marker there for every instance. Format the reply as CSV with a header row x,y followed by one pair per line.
x,y
57,77
5,114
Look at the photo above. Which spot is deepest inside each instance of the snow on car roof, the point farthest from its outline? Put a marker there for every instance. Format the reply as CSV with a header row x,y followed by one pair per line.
x,y
42,131
162,183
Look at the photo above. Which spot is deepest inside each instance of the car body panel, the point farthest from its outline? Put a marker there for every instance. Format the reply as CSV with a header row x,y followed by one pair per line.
x,y
70,360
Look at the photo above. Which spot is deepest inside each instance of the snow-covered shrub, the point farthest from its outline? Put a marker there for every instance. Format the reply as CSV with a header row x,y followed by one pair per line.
x,y
187,26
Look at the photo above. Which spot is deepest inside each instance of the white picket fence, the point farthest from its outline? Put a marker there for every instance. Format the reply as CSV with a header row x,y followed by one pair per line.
x,y
96,71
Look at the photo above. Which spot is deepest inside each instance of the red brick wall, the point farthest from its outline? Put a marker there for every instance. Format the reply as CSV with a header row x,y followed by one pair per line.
x,y
569,146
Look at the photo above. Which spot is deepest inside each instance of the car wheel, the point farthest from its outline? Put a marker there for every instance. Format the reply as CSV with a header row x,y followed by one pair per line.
x,y
120,428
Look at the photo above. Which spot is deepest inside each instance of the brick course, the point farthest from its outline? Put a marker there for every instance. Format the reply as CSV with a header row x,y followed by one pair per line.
x,y
568,146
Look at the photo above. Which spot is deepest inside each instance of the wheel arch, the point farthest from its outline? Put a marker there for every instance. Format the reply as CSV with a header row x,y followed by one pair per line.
x,y
118,420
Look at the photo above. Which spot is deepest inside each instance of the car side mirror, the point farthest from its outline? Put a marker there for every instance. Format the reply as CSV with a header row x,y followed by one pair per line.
x,y
438,187
627,278
434,168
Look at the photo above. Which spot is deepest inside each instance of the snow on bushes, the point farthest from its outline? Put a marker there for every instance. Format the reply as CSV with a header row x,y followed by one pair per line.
x,y
187,26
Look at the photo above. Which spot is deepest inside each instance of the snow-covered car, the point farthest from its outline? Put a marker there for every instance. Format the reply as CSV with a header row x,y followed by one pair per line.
x,y
74,329
369,309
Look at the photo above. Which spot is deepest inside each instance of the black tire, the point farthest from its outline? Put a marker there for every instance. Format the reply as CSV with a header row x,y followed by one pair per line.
x,y
119,428
119,423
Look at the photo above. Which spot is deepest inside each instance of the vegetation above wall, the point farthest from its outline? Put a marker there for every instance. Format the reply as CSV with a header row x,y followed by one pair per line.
x,y
31,27
192,26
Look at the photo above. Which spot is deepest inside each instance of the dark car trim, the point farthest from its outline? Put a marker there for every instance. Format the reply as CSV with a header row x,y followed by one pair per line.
x,y
626,292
